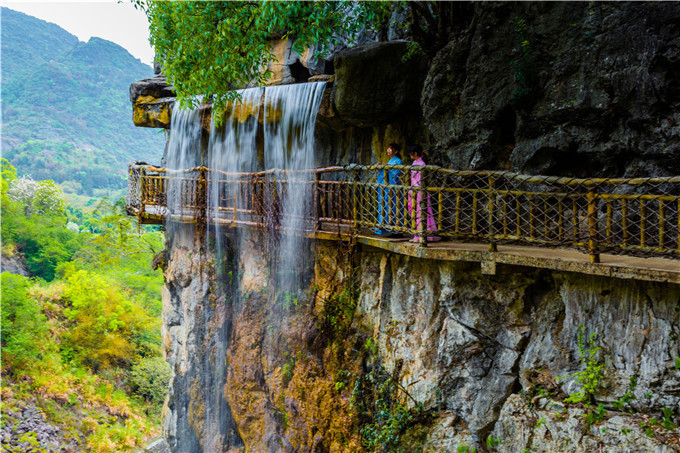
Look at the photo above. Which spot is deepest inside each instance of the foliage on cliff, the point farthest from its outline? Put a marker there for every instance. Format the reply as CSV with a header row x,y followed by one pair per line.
x,y
81,338
66,113
210,48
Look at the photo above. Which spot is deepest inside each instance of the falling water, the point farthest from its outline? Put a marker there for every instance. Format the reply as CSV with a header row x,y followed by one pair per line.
x,y
233,147
266,128
290,117
184,151
278,135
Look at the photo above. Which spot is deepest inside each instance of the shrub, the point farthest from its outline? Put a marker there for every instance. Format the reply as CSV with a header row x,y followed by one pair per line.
x,y
149,378
24,327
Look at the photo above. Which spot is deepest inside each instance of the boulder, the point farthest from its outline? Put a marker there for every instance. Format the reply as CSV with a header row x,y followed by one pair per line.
x,y
152,102
156,87
374,85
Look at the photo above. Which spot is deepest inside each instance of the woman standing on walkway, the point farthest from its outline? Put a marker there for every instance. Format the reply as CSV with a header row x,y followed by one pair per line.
x,y
388,204
415,199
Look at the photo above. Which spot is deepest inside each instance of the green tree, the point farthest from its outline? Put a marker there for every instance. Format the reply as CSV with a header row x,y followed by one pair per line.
x,y
48,199
108,327
43,239
123,252
8,174
24,327
211,48
207,49
149,378
40,197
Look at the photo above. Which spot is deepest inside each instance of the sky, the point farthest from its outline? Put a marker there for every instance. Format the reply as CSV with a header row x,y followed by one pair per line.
x,y
115,21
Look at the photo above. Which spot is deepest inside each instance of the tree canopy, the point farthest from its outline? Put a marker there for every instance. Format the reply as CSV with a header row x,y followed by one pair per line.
x,y
211,48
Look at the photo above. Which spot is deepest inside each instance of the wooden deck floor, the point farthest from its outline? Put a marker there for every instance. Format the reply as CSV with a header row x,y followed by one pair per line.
x,y
617,266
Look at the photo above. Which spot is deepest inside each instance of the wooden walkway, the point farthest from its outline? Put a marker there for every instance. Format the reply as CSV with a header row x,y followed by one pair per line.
x,y
622,228
508,256
617,266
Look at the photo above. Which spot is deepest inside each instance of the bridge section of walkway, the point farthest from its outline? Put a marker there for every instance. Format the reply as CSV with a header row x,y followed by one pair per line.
x,y
625,228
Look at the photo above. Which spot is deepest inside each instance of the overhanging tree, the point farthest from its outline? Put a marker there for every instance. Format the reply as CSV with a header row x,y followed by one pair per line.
x,y
208,49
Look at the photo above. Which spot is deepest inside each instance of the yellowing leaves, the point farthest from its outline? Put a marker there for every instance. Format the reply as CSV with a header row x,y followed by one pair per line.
x,y
106,322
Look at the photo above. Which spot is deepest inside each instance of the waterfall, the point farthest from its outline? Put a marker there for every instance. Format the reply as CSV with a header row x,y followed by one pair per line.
x,y
265,128
276,132
183,152
289,145
233,147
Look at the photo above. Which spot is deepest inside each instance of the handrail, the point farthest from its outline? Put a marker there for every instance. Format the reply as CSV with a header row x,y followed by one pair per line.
x,y
637,216
483,173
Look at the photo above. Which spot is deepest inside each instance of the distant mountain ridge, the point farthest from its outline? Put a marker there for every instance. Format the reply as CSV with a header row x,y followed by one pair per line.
x,y
66,111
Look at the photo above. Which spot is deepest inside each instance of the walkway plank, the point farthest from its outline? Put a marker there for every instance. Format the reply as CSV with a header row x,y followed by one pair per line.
x,y
616,266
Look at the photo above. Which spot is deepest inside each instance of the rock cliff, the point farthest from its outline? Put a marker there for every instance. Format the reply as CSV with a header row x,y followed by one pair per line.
x,y
465,357
567,88
451,359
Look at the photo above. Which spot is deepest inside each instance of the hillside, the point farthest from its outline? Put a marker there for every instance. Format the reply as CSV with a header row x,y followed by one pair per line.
x,y
66,112
80,337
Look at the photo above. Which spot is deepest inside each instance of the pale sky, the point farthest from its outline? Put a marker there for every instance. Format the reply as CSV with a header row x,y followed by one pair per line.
x,y
112,20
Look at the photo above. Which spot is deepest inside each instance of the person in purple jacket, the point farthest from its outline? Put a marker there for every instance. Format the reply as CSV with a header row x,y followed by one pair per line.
x,y
415,199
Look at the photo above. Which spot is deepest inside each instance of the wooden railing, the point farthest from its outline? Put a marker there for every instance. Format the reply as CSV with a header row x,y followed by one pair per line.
x,y
625,216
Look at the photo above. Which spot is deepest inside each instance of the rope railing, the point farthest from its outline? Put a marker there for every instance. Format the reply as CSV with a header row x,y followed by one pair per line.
x,y
636,216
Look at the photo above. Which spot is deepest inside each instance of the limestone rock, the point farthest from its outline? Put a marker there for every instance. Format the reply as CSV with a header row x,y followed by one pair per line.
x,y
148,111
156,87
373,86
14,264
152,102
484,353
597,94
551,428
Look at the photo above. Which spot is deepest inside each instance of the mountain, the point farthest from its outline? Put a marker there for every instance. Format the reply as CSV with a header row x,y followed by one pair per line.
x,y
21,51
66,113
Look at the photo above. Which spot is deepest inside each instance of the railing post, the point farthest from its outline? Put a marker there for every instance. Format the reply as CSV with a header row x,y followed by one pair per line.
x,y
142,187
422,223
592,226
235,189
142,205
315,197
202,197
491,206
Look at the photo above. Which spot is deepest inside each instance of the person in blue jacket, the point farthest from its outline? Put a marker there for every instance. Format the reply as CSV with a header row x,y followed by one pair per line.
x,y
389,199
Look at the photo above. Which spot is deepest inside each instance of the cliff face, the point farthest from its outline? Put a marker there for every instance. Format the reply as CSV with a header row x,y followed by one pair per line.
x,y
567,88
486,356
448,357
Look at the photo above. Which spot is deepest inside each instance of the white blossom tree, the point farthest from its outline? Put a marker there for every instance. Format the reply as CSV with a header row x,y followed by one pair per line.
x,y
39,197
